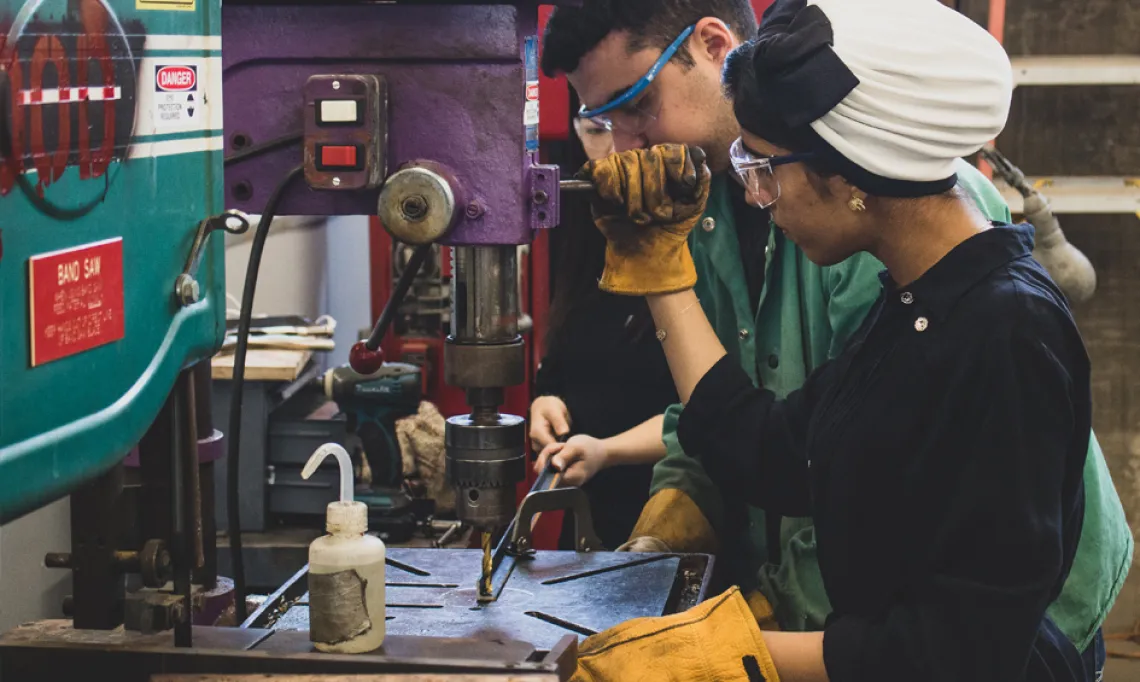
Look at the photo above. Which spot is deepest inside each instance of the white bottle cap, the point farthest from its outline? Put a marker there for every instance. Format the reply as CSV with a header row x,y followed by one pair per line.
x,y
345,517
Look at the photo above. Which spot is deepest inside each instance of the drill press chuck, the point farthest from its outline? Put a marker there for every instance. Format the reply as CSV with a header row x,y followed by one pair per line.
x,y
486,459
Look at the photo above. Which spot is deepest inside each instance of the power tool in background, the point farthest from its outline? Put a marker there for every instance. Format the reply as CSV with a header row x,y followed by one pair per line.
x,y
372,404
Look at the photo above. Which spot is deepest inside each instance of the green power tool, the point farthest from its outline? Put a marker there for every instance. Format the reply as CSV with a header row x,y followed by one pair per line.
x,y
371,404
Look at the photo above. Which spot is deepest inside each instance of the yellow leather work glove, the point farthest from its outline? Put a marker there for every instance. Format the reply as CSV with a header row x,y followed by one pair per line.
x,y
647,202
762,611
671,522
716,641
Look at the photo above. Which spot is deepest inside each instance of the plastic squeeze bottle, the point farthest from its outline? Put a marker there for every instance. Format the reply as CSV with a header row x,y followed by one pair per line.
x,y
346,571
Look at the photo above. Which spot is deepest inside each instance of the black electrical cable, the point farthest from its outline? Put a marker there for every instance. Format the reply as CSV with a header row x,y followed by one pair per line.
x,y
264,148
402,286
233,515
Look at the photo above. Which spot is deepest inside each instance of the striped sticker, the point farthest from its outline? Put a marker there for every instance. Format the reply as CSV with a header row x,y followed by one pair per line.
x,y
65,95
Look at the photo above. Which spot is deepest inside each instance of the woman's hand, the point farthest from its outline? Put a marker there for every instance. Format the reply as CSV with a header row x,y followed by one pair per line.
x,y
549,421
579,459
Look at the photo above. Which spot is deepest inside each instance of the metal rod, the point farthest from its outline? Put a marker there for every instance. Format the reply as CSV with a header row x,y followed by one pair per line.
x,y
448,534
207,577
180,553
402,286
190,461
576,186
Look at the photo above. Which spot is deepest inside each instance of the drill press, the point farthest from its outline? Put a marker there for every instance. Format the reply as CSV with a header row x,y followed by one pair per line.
x,y
484,353
486,450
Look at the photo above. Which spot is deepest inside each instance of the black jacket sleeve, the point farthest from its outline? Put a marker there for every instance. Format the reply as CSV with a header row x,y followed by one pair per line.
x,y
1000,505
549,380
750,443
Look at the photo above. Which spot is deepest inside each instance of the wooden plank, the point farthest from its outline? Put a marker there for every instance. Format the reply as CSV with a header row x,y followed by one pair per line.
x,y
355,678
1112,69
1081,194
263,365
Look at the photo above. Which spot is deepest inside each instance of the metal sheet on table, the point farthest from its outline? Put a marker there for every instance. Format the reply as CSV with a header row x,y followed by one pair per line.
x,y
546,598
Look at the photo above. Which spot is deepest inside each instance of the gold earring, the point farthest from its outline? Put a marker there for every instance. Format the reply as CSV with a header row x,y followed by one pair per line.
x,y
856,204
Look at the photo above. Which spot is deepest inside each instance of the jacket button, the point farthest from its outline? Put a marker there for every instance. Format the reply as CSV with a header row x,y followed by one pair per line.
x,y
773,361
907,297
921,324
708,224
744,334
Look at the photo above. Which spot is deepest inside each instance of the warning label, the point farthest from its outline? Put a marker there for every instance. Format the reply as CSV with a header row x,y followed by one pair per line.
x,y
530,111
176,96
175,5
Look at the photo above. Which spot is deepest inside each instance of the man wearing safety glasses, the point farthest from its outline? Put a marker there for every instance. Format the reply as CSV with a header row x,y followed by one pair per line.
x,y
650,71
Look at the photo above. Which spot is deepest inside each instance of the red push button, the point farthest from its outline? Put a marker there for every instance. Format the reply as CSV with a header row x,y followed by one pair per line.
x,y
338,156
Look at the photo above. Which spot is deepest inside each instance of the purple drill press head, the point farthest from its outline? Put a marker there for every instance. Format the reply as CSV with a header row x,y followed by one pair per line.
x,y
456,80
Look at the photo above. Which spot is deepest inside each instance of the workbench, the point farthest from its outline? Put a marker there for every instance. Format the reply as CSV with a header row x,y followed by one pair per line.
x,y
52,650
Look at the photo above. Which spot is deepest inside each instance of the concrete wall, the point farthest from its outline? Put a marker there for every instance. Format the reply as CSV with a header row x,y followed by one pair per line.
x,y
28,591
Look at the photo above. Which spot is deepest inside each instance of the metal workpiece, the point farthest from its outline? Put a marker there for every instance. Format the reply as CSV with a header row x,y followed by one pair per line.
x,y
420,204
485,294
486,459
571,499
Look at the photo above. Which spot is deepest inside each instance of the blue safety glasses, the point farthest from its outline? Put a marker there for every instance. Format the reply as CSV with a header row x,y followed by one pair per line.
x,y
632,113
755,172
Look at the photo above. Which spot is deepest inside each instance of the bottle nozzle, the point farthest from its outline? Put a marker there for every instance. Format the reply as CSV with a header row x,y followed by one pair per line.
x,y
342,458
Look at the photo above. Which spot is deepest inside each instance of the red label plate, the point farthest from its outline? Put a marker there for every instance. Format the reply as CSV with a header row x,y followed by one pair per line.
x,y
76,299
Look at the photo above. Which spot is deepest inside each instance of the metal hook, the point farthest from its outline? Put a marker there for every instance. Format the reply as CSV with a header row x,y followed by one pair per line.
x,y
186,289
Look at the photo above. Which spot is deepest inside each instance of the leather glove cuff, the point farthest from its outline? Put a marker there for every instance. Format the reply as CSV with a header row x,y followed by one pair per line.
x,y
672,517
716,641
665,269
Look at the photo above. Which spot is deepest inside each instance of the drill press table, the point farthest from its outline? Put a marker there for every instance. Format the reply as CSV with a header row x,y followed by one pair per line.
x,y
431,592
435,624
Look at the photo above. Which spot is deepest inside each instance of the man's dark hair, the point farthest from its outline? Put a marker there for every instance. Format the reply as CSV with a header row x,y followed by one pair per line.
x,y
574,31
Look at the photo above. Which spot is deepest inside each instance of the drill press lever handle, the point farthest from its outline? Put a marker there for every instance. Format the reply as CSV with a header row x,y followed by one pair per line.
x,y
365,356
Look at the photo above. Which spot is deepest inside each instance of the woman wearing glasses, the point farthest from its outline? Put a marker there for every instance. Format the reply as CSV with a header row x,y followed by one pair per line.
x,y
960,410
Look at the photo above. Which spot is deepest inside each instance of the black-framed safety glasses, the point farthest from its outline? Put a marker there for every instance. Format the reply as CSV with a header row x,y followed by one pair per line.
x,y
756,174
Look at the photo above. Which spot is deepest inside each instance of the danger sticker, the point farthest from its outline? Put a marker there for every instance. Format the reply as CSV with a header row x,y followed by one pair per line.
x,y
530,110
176,96
173,5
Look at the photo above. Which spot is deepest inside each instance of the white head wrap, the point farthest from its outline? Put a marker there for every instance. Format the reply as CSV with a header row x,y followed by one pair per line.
x,y
889,93
933,86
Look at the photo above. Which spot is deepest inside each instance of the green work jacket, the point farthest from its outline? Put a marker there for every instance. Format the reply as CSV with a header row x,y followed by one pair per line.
x,y
805,316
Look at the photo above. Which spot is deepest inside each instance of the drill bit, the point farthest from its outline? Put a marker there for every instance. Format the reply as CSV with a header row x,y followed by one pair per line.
x,y
485,579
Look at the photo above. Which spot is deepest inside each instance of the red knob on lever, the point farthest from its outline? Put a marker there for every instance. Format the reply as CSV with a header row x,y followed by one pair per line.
x,y
364,360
